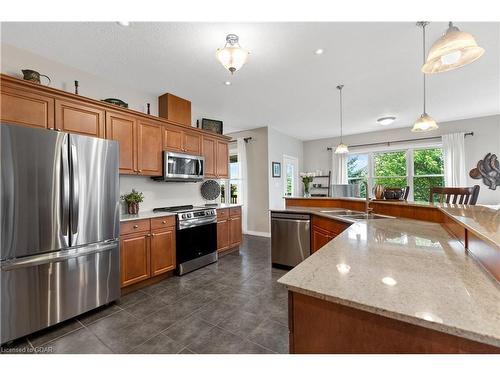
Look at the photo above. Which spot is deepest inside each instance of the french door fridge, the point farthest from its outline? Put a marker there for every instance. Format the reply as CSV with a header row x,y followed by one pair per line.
x,y
59,227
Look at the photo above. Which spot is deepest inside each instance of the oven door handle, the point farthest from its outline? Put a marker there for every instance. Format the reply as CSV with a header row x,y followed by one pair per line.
x,y
196,223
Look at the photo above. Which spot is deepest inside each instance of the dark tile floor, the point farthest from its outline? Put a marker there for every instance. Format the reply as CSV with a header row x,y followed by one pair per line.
x,y
233,306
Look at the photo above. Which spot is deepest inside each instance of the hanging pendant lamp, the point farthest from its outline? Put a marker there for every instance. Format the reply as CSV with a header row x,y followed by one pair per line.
x,y
232,56
341,148
425,122
453,50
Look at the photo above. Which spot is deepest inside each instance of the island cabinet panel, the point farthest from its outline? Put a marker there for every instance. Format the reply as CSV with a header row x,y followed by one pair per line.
x,y
134,258
26,106
122,128
209,152
149,148
487,254
162,251
323,230
319,238
80,118
318,326
222,157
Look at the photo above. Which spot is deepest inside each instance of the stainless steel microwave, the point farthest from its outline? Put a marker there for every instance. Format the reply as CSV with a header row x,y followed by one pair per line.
x,y
182,167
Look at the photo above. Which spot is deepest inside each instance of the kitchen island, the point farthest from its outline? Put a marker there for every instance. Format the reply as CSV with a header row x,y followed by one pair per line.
x,y
398,286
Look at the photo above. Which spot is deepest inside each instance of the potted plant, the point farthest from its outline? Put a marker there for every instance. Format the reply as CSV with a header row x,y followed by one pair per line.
x,y
307,178
133,199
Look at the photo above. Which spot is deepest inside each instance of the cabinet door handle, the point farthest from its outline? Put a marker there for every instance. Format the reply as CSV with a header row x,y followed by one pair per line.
x,y
139,171
164,222
152,234
148,235
136,226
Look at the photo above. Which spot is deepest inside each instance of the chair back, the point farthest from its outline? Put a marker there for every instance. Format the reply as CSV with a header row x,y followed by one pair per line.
x,y
460,195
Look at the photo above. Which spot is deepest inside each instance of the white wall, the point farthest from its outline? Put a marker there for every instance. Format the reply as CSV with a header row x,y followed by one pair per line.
x,y
257,173
486,139
280,144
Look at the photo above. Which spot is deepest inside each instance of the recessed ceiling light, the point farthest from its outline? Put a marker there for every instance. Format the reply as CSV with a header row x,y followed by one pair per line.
x,y
123,23
343,268
389,281
227,83
319,51
387,120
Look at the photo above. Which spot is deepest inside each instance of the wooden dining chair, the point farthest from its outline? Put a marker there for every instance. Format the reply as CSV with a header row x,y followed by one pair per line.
x,y
461,195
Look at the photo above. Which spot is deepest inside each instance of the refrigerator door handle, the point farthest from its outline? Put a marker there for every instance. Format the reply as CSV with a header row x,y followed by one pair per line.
x,y
58,256
65,193
76,192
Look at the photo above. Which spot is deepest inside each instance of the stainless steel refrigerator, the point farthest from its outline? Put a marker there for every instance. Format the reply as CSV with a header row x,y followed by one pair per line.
x,y
59,227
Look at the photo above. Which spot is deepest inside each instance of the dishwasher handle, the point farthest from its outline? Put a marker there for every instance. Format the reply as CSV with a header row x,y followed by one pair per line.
x,y
290,217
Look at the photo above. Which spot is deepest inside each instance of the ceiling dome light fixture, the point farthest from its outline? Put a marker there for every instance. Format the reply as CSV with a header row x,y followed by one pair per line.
x,y
425,122
453,50
341,148
387,120
232,56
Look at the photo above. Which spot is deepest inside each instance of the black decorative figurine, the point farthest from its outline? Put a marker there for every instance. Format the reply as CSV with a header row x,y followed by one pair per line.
x,y
149,108
76,87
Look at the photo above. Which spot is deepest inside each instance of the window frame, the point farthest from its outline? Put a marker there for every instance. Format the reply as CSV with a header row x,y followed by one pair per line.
x,y
226,183
410,173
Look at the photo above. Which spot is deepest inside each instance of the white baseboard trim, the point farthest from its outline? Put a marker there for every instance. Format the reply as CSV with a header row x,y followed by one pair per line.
x,y
255,233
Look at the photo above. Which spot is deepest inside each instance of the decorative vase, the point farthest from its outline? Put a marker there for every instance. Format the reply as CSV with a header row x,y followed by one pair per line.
x,y
307,194
133,208
378,190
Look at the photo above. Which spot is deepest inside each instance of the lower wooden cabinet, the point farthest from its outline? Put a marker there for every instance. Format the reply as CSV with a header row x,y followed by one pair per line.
x,y
162,251
323,230
229,233
146,253
134,258
319,238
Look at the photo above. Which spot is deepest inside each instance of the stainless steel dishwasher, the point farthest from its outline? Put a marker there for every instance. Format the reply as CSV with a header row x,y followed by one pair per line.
x,y
290,238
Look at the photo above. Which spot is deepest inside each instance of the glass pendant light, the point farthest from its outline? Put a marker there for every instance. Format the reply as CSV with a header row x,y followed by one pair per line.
x,y
453,50
341,148
425,122
232,56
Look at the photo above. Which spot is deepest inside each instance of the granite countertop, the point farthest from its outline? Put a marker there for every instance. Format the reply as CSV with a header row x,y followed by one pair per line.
x,y
327,212
437,285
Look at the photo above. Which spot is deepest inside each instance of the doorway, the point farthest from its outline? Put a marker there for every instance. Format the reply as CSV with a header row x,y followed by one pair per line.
x,y
290,176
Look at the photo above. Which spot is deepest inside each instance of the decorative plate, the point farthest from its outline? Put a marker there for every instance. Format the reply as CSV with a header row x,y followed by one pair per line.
x,y
210,190
117,102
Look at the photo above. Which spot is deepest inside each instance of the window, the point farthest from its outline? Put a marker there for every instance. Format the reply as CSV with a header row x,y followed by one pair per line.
x,y
428,171
357,170
419,168
233,185
290,174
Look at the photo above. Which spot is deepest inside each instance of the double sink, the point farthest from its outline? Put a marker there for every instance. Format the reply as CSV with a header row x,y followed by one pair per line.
x,y
355,215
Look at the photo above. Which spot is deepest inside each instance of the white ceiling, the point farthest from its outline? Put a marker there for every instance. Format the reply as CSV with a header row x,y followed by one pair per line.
x,y
284,84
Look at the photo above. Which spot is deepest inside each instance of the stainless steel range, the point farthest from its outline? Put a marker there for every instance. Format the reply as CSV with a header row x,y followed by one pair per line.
x,y
196,236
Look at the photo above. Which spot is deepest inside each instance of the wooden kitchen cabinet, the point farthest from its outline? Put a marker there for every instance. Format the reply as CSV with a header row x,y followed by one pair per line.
x,y
229,233
209,152
319,238
175,109
79,118
323,230
180,140
149,148
147,249
122,128
162,251
25,106
134,258
222,159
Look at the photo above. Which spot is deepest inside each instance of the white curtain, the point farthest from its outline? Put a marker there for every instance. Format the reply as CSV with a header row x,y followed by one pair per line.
x,y
242,159
454,160
339,168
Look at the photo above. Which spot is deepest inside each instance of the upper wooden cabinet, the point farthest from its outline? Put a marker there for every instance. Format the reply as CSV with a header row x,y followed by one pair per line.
x,y
222,160
26,106
122,128
181,140
175,109
149,148
216,153
80,118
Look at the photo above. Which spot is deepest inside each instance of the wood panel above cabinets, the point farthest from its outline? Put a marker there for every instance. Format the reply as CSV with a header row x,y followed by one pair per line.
x,y
75,117
216,153
25,106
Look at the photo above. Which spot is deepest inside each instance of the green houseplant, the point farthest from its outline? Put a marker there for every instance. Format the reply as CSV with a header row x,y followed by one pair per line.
x,y
133,199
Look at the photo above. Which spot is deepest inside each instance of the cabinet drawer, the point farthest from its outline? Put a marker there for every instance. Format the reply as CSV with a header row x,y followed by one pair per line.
x,y
235,211
135,226
162,222
222,214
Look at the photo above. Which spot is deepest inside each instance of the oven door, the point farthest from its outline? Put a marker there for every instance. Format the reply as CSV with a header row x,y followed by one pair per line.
x,y
196,242
183,167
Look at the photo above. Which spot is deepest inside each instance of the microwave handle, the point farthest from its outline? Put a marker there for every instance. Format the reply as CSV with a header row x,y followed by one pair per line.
x,y
200,168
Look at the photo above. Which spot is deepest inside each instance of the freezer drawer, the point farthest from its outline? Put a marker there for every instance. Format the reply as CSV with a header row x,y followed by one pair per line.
x,y
43,290
290,239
